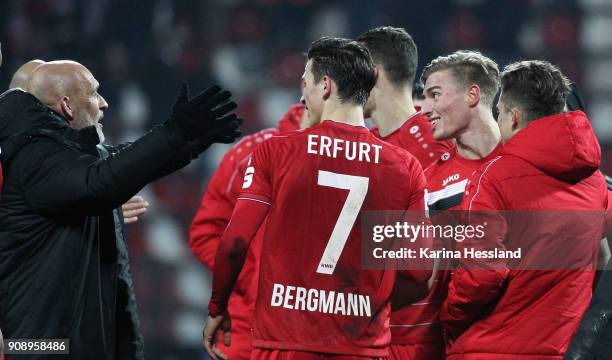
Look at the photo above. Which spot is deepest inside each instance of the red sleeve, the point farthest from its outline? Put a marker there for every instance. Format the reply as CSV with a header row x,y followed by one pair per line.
x,y
250,212
476,283
216,209
418,185
416,213
257,184
246,220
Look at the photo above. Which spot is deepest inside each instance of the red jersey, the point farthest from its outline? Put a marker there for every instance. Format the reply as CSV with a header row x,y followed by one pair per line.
x,y
212,218
313,295
416,137
448,177
446,180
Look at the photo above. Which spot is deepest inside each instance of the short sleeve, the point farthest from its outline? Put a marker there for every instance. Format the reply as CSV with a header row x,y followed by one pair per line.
x,y
257,183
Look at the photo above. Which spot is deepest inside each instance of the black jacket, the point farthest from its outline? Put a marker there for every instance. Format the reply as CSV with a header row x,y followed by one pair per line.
x,y
593,340
59,272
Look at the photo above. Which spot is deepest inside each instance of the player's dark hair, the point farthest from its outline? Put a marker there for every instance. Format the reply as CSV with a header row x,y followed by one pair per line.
x,y
348,63
395,50
536,87
418,91
468,67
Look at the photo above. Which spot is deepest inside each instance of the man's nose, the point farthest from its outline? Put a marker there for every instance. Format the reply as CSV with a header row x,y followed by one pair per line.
x,y
103,103
426,107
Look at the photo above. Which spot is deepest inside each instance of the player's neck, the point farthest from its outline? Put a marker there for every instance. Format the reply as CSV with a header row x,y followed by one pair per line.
x,y
480,138
349,114
392,111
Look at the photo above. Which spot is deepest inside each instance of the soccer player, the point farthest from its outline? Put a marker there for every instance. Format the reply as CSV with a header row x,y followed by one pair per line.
x,y
459,91
313,297
549,162
391,108
213,216
390,105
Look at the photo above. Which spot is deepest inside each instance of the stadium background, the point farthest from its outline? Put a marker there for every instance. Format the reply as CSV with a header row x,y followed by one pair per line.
x,y
140,51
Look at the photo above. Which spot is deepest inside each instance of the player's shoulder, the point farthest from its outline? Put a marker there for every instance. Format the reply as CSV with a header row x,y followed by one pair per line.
x,y
415,126
418,122
245,147
397,154
284,143
254,139
503,167
287,137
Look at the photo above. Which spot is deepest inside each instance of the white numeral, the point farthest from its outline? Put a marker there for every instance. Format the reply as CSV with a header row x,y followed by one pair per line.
x,y
358,188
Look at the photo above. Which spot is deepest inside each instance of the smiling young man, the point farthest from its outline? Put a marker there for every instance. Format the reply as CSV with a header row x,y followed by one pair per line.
x,y
459,91
313,299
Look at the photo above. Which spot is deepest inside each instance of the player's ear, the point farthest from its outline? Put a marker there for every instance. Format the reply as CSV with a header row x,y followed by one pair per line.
x,y
66,109
472,95
516,118
327,86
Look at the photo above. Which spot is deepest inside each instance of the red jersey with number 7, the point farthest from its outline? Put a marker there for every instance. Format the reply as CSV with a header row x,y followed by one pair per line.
x,y
313,294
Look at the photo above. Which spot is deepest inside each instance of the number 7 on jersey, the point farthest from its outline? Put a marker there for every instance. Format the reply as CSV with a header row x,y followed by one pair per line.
x,y
358,189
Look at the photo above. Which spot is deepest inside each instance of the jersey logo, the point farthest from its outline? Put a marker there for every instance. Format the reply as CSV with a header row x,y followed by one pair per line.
x,y
248,176
445,156
414,129
450,178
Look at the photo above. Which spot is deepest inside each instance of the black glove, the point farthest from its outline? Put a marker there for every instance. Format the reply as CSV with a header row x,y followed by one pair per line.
x,y
226,131
192,117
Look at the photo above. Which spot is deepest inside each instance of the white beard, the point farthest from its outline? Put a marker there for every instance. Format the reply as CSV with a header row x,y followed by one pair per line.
x,y
100,133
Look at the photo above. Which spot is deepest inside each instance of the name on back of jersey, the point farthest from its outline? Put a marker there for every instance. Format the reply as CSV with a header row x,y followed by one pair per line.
x,y
323,301
351,150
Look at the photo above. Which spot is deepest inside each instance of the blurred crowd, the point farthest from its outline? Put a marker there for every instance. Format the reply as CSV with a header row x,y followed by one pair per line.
x,y
140,51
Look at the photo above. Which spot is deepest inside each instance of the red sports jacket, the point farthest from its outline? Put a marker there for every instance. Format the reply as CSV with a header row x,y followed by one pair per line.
x,y
499,312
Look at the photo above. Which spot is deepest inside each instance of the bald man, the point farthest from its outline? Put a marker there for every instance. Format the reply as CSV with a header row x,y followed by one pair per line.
x,y
59,269
69,89
22,75
134,207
